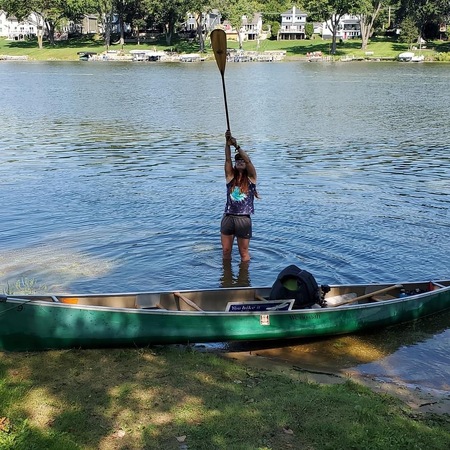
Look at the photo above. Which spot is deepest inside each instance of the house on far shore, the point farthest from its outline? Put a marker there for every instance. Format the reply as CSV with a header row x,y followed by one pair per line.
x,y
253,28
13,30
250,30
293,24
318,28
348,28
208,21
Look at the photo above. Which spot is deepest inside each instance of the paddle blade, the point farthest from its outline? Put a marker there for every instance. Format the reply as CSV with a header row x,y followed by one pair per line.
x,y
219,46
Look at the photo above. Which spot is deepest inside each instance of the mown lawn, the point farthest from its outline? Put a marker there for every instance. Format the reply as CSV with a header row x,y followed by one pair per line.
x,y
67,50
173,397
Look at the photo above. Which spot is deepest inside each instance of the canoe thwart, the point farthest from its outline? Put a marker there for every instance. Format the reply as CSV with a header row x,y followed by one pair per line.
x,y
187,301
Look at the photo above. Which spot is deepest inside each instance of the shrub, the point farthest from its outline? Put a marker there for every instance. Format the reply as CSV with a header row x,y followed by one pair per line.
x,y
309,30
442,56
275,27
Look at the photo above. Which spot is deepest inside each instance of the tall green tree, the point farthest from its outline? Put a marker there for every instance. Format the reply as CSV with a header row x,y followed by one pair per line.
x,y
423,12
169,13
330,11
137,15
48,13
271,9
235,10
105,12
271,12
199,8
368,12
410,31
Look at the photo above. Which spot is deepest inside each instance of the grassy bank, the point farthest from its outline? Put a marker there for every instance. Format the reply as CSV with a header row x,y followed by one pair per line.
x,y
172,398
67,50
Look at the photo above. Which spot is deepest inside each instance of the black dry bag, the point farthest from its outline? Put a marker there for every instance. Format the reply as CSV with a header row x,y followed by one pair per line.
x,y
293,282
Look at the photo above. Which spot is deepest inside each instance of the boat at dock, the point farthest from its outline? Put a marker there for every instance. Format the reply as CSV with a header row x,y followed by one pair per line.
x,y
410,57
148,55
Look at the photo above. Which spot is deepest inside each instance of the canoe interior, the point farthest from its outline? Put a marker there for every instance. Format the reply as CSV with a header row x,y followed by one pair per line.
x,y
217,300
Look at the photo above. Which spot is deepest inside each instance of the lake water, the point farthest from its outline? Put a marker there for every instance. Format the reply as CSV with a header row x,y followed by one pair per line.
x,y
111,174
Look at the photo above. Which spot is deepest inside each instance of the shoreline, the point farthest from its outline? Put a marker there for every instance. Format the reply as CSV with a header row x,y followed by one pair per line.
x,y
421,400
244,57
26,58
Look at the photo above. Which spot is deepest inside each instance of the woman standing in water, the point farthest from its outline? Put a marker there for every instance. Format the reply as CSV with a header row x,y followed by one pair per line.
x,y
241,191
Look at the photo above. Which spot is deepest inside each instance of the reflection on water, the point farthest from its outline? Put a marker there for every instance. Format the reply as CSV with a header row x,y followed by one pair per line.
x,y
115,181
229,279
412,365
414,353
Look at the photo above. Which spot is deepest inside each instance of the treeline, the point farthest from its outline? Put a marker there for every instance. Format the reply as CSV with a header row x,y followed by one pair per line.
x,y
416,18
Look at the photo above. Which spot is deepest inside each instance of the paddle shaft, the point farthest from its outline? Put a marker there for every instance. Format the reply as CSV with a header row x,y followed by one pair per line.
x,y
225,101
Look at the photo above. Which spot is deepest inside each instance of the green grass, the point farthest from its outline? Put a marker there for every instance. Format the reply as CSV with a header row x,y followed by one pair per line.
x,y
164,398
24,286
67,50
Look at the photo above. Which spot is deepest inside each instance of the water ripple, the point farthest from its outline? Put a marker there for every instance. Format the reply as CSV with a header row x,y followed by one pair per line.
x,y
133,183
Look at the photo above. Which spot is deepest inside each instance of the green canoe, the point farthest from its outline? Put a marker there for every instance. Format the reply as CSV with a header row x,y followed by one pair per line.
x,y
38,322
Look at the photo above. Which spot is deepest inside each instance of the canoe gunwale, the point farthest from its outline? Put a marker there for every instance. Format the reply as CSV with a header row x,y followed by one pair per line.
x,y
29,300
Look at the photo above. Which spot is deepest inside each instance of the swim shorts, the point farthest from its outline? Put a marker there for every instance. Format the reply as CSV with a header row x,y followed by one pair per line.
x,y
239,225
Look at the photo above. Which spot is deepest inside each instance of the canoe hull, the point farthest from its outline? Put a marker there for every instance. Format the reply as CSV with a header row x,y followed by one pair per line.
x,y
28,325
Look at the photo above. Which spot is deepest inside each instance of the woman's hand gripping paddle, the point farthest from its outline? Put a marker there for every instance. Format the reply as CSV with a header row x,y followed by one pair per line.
x,y
219,46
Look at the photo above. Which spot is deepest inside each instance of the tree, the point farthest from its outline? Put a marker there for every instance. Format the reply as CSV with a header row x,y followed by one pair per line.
x,y
48,13
136,14
234,10
331,12
423,12
199,8
168,13
105,11
271,12
410,32
309,30
368,11
272,9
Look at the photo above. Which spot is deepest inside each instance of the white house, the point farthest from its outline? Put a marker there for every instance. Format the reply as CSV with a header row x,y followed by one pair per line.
x,y
250,29
317,28
12,29
209,21
348,28
293,24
